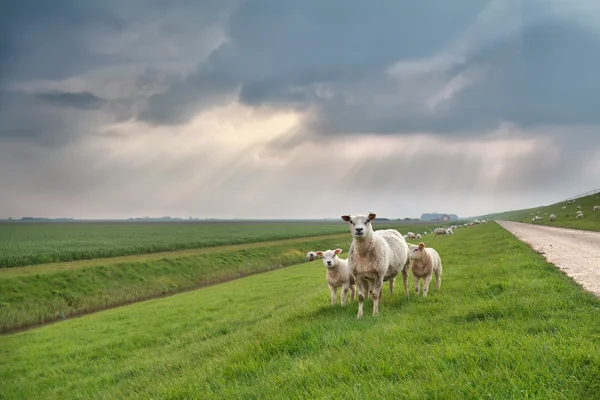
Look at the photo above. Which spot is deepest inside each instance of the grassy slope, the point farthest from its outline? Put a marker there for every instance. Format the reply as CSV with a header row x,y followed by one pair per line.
x,y
34,298
38,243
564,218
505,324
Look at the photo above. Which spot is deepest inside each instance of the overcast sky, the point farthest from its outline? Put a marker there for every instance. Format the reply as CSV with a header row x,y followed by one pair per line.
x,y
296,109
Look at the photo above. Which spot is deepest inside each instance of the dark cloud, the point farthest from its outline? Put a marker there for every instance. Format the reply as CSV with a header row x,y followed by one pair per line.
x,y
274,48
334,60
31,118
84,100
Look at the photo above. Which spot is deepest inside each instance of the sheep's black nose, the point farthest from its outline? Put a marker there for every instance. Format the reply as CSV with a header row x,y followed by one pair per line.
x,y
328,262
359,229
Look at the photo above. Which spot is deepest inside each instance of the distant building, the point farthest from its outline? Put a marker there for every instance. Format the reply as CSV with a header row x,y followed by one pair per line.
x,y
438,217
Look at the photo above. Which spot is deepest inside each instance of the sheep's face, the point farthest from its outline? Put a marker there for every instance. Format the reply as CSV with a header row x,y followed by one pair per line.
x,y
360,225
416,252
330,257
311,256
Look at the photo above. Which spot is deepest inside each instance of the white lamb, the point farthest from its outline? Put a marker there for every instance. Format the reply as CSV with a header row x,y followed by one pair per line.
x,y
375,256
579,216
311,256
418,236
552,217
596,208
338,275
425,262
410,235
579,207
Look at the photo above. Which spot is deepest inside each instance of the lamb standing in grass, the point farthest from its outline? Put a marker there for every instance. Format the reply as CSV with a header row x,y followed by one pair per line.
x,y
552,217
596,208
579,215
375,256
425,262
311,256
338,275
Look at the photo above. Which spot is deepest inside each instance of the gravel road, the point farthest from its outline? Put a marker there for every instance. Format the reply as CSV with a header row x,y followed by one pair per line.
x,y
575,252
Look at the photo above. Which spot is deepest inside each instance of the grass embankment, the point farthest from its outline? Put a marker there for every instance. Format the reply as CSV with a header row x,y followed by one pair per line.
x,y
506,324
34,295
565,218
28,243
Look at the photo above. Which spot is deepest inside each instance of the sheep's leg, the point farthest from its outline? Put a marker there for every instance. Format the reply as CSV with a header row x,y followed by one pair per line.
x,y
438,277
416,279
360,283
333,291
352,292
344,295
405,280
392,279
377,290
426,281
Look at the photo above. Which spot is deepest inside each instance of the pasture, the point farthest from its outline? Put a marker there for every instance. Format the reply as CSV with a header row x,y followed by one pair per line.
x,y
505,324
565,218
46,292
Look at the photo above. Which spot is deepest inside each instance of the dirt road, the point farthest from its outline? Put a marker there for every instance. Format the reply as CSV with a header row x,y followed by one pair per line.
x,y
575,252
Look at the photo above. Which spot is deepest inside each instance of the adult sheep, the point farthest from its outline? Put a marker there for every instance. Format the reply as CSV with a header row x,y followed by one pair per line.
x,y
374,257
439,231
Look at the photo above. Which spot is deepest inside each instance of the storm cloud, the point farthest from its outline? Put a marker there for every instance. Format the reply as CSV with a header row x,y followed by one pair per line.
x,y
263,108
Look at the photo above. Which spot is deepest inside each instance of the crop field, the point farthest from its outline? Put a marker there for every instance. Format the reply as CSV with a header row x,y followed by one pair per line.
x,y
27,243
37,243
505,324
565,218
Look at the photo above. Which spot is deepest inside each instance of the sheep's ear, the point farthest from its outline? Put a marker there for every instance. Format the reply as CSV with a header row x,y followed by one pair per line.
x,y
372,216
346,218
338,251
319,253
421,245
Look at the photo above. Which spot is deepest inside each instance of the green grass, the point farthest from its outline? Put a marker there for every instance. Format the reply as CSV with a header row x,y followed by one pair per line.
x,y
564,218
27,243
29,296
506,324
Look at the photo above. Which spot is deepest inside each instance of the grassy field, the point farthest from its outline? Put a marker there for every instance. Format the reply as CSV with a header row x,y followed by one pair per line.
x,y
41,293
27,243
37,294
506,324
564,218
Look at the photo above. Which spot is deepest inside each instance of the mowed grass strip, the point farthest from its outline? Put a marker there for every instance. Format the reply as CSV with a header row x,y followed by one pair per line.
x,y
506,324
29,243
36,298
